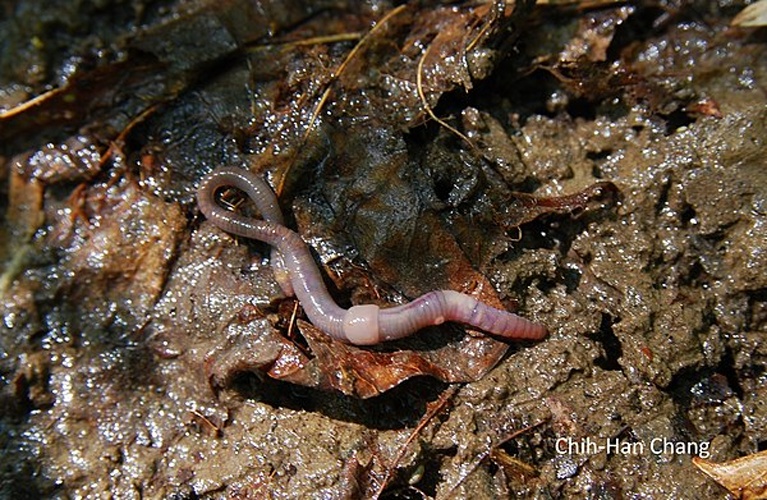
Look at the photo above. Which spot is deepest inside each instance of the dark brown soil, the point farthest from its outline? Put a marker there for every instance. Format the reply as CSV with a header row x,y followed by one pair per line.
x,y
145,353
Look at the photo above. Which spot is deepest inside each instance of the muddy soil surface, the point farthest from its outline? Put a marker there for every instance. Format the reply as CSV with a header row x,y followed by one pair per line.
x,y
146,353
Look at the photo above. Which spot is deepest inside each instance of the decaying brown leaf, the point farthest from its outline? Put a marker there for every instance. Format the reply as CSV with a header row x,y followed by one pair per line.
x,y
752,16
744,477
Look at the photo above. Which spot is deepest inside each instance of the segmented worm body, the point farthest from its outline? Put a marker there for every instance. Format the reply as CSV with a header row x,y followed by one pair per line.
x,y
297,272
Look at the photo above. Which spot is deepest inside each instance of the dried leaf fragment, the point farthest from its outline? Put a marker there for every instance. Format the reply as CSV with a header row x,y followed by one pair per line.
x,y
752,16
744,477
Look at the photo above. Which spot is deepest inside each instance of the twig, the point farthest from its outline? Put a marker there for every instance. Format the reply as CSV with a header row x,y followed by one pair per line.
x,y
333,78
434,409
482,456
427,108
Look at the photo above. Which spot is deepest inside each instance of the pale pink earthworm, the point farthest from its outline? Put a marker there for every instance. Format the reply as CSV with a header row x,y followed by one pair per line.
x,y
361,324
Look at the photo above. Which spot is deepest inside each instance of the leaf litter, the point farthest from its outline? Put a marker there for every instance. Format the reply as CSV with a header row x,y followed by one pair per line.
x,y
409,164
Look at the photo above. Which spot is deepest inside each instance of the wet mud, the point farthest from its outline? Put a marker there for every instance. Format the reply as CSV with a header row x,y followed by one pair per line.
x,y
597,168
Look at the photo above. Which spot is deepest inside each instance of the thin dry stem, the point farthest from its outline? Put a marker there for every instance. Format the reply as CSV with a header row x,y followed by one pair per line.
x,y
434,409
427,108
333,78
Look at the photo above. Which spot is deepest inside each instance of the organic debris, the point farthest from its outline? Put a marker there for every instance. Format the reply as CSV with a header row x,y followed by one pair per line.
x,y
594,165
744,477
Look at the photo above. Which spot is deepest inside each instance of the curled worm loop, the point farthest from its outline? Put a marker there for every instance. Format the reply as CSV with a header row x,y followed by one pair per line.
x,y
297,272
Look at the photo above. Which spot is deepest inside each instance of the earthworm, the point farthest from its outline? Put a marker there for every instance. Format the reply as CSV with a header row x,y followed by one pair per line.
x,y
361,324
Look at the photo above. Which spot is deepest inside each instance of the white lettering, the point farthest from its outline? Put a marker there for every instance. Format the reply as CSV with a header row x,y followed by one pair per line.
x,y
618,447
660,446
570,446
656,445
703,451
614,446
591,447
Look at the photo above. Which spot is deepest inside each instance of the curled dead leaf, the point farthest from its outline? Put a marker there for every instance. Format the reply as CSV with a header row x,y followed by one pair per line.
x,y
752,16
744,477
